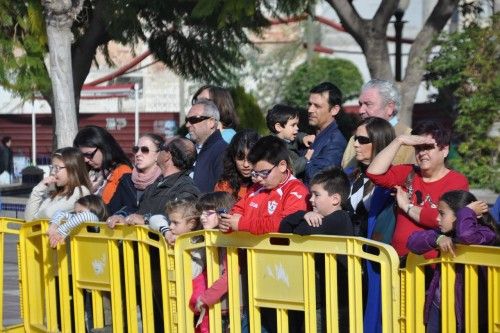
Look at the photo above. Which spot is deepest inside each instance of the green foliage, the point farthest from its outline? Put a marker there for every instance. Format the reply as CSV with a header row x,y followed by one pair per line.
x,y
248,110
467,65
343,73
23,45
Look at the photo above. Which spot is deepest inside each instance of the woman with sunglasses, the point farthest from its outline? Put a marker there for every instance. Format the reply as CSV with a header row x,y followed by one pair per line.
x,y
236,177
372,135
144,173
67,182
106,160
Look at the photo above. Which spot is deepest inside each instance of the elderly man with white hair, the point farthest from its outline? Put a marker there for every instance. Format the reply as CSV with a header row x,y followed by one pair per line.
x,y
201,122
381,98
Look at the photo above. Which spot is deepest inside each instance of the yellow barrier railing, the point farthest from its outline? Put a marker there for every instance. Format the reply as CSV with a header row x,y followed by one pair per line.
x,y
9,227
281,276
112,281
481,274
130,280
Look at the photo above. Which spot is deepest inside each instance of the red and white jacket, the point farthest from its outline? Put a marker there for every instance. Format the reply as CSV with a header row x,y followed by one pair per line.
x,y
262,210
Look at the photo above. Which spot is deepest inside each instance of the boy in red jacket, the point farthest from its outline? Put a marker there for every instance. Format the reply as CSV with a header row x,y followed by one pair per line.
x,y
276,193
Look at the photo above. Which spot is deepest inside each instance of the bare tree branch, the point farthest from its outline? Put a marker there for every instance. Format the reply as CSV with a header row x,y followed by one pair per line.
x,y
421,49
350,19
384,13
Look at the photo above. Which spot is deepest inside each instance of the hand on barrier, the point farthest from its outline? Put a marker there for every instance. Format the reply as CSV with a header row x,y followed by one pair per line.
x,y
479,207
134,219
114,220
445,244
170,237
313,219
56,239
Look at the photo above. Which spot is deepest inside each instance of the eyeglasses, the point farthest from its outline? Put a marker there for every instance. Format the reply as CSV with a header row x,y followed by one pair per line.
x,y
55,168
196,119
363,140
208,213
262,174
143,149
90,155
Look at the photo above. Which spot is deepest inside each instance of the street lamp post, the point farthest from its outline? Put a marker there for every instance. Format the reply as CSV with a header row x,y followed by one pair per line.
x,y
398,27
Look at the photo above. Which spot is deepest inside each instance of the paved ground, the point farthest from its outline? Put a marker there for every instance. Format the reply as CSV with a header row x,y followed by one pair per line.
x,y
11,306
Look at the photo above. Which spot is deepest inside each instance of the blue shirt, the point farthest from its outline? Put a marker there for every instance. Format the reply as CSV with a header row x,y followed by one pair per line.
x,y
328,147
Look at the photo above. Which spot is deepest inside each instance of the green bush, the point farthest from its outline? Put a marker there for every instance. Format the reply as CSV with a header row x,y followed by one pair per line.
x,y
248,110
343,73
467,67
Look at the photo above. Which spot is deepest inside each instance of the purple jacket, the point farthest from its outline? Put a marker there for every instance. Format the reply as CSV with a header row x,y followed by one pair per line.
x,y
467,231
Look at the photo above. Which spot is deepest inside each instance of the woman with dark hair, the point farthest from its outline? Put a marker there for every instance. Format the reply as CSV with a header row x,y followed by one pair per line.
x,y
67,182
422,186
224,102
146,171
236,176
372,135
106,160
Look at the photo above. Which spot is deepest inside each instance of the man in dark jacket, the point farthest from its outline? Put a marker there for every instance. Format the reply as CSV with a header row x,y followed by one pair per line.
x,y
201,122
329,144
175,160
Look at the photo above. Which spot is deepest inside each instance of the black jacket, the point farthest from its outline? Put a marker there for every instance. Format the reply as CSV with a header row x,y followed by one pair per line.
x,y
176,186
208,167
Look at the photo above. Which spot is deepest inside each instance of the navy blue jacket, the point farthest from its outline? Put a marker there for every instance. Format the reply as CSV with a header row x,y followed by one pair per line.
x,y
208,167
328,147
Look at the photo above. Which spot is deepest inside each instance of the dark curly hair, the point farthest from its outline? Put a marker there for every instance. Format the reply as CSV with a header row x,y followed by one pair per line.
x,y
242,141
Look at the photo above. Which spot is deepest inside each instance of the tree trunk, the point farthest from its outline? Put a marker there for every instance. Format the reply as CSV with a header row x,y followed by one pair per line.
x,y
59,16
370,34
59,39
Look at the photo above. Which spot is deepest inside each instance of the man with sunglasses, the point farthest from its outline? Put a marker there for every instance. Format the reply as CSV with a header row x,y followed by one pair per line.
x,y
201,122
381,98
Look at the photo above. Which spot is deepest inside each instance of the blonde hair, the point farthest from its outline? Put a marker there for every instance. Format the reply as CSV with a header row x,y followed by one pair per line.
x,y
187,209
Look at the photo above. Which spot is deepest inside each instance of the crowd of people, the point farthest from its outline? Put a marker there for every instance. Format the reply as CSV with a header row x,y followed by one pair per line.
x,y
386,182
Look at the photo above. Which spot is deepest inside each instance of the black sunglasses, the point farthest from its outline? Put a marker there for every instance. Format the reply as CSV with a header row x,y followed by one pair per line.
x,y
196,119
363,140
143,149
90,155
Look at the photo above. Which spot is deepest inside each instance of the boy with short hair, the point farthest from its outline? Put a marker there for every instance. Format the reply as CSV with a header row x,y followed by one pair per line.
x,y
329,193
283,121
275,194
330,189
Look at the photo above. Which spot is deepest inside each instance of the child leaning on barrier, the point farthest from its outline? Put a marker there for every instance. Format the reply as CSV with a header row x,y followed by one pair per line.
x,y
89,208
275,194
329,194
464,220
183,216
211,206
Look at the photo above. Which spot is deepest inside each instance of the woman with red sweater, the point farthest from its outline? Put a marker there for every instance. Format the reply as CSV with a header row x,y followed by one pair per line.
x,y
418,187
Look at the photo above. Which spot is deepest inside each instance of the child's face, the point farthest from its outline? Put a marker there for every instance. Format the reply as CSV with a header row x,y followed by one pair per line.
x,y
209,219
446,217
58,170
79,208
179,224
290,130
268,175
322,202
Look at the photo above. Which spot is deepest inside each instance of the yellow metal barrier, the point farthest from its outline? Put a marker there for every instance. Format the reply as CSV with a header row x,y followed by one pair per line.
x,y
111,265
281,275
476,260
130,280
9,227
